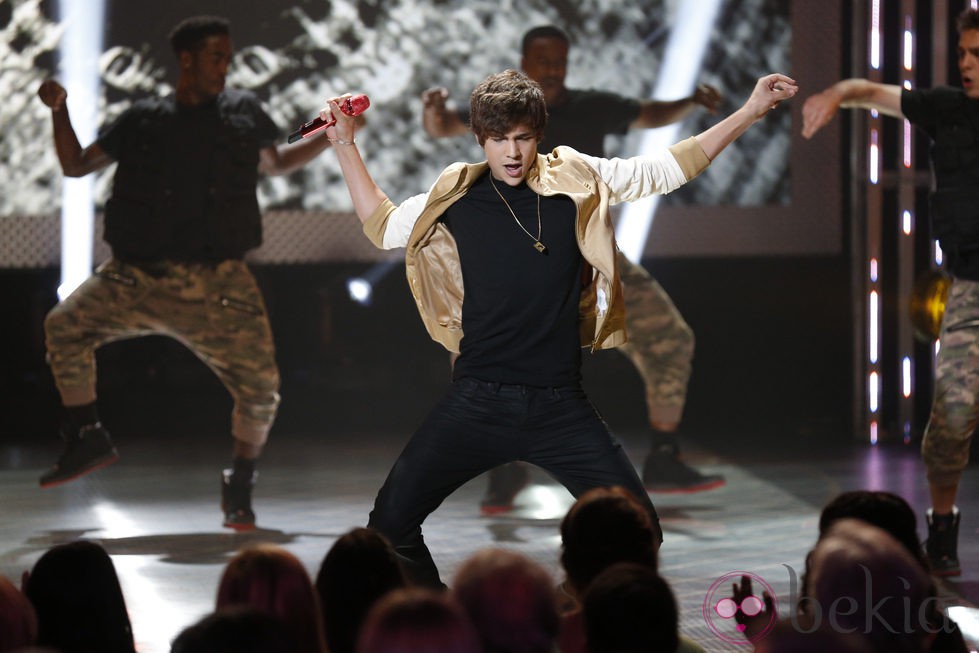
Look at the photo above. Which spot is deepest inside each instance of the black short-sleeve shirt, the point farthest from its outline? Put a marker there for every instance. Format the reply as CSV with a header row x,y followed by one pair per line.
x,y
585,117
177,159
520,312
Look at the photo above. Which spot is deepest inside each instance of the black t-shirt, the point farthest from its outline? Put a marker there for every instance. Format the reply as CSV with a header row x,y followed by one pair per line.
x,y
951,120
175,149
927,107
520,312
584,117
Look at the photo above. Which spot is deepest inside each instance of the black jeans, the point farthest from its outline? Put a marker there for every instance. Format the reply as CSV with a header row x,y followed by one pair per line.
x,y
478,425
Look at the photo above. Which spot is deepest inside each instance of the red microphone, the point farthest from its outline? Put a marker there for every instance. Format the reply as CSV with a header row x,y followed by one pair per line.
x,y
352,106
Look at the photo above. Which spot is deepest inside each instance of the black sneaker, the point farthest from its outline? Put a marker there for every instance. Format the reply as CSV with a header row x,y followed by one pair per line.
x,y
85,451
236,500
943,543
505,483
664,472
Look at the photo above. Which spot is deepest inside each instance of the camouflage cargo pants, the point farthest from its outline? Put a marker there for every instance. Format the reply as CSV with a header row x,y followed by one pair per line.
x,y
660,342
217,311
955,406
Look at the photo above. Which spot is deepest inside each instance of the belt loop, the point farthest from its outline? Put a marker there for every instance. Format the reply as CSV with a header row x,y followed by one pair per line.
x,y
494,387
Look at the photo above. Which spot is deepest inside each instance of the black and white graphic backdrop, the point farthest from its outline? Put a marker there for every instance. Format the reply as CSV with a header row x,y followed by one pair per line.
x,y
296,53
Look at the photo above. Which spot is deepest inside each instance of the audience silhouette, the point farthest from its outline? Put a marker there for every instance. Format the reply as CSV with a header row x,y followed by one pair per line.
x,y
510,600
18,621
78,600
866,588
239,629
629,607
880,510
860,579
269,578
359,569
605,526
418,620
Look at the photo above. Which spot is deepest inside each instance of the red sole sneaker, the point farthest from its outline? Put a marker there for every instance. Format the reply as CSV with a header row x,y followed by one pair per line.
x,y
690,489
98,465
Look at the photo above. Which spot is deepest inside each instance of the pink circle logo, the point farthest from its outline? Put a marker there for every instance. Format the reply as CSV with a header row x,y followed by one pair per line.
x,y
727,614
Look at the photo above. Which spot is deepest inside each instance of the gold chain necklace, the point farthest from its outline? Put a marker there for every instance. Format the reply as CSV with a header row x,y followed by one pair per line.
x,y
538,245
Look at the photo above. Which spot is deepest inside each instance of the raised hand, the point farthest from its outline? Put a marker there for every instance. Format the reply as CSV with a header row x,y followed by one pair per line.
x,y
52,94
818,110
708,97
769,92
345,125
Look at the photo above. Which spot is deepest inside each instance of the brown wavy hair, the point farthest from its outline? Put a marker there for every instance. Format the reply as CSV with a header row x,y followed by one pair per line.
x,y
504,101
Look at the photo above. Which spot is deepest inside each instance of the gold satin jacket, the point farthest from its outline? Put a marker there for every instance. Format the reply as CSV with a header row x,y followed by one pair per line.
x,y
594,184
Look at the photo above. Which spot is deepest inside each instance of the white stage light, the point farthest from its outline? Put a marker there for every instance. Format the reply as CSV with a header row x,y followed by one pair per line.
x,y
678,74
78,70
361,290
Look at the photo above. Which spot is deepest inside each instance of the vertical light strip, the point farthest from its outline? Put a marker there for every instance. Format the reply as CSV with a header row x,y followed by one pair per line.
x,y
78,69
874,340
873,394
875,35
908,44
907,144
906,376
874,157
678,74
904,254
874,389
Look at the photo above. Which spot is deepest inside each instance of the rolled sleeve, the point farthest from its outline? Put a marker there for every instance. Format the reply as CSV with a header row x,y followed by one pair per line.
x,y
690,156
389,226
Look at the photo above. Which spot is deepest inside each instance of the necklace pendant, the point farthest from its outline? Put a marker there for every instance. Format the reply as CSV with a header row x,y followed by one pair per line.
x,y
540,247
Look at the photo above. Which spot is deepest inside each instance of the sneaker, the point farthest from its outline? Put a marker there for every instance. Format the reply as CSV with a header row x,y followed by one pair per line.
x,y
664,472
236,501
505,483
942,543
90,449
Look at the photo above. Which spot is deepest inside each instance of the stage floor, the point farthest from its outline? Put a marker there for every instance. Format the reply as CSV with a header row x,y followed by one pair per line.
x,y
156,512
